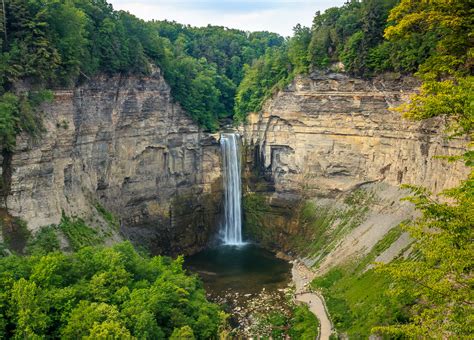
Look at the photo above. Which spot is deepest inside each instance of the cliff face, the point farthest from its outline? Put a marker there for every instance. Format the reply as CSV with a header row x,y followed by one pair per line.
x,y
123,143
327,136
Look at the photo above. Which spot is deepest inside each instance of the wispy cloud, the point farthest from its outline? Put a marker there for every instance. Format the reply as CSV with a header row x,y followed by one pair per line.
x,y
264,15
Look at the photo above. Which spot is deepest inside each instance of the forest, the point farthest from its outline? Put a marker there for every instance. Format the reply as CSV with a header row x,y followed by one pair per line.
x,y
103,293
50,44
219,75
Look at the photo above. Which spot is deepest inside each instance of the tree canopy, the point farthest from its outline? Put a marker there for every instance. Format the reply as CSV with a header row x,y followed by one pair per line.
x,y
103,293
368,37
438,275
57,43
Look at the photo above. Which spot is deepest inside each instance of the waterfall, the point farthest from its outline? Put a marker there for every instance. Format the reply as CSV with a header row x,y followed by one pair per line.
x,y
231,229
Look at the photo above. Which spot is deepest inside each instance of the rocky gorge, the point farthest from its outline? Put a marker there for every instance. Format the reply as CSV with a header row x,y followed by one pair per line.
x,y
322,168
332,146
122,143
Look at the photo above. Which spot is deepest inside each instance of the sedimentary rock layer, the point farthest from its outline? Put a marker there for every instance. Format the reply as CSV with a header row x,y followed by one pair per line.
x,y
123,143
320,140
329,133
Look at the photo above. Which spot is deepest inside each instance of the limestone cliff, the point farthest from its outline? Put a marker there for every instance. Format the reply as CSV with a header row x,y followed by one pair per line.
x,y
123,143
326,136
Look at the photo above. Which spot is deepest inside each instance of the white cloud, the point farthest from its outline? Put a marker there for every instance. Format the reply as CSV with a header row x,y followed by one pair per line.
x,y
274,16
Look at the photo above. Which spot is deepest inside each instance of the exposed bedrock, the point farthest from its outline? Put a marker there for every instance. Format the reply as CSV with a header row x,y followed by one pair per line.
x,y
123,143
326,136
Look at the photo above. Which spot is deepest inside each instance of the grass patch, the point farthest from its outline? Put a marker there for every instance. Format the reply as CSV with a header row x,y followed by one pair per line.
x,y
78,233
111,219
357,299
304,324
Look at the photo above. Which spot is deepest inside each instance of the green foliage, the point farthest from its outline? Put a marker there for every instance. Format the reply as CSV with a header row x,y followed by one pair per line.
x,y
62,42
78,233
356,296
354,53
19,113
9,120
297,49
453,98
27,310
272,72
303,324
184,333
450,21
439,274
103,293
44,241
448,84
352,34
205,66
268,74
297,322
111,219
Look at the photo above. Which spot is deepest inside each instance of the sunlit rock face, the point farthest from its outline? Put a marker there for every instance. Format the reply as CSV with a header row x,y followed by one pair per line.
x,y
329,134
121,141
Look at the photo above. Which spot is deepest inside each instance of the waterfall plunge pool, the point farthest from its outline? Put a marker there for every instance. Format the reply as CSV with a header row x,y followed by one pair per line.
x,y
244,280
245,269
235,266
242,277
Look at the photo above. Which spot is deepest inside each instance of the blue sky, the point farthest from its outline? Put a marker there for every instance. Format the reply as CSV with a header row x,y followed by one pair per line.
x,y
276,16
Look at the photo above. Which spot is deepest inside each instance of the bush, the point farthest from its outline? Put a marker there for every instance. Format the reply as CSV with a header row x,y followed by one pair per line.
x,y
44,241
78,233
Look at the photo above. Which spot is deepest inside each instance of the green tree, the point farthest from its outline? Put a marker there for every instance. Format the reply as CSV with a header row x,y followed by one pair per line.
x,y
298,48
448,86
109,330
266,75
88,315
355,53
102,293
183,333
9,119
29,315
439,274
451,21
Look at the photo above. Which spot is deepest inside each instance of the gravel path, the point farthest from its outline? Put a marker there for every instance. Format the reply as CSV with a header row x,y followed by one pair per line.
x,y
302,276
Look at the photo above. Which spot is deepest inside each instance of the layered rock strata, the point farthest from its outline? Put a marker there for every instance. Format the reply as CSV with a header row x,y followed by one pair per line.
x,y
121,142
329,134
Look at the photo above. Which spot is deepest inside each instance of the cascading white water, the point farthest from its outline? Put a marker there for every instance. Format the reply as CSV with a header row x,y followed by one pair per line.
x,y
232,228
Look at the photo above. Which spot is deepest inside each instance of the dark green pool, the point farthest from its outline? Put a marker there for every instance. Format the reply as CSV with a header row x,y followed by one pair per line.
x,y
244,269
